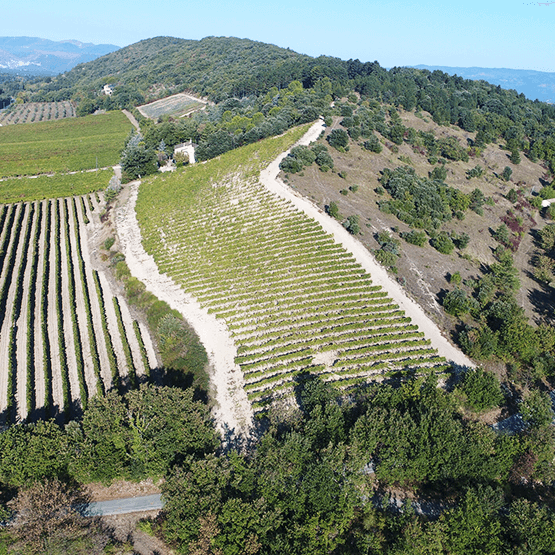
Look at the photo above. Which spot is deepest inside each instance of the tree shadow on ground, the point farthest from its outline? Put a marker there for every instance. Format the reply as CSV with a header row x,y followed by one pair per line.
x,y
542,299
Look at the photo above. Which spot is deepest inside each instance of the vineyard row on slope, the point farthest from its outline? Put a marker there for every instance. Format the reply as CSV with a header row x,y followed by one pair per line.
x,y
62,339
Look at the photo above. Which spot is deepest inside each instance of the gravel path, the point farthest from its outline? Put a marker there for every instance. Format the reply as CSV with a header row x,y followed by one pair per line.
x,y
90,377
132,119
74,392
17,208
87,234
5,330
149,347
3,234
112,321
233,411
53,332
132,338
39,352
21,336
379,275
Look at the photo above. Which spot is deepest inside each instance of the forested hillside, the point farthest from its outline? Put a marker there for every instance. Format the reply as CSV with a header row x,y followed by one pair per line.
x,y
223,68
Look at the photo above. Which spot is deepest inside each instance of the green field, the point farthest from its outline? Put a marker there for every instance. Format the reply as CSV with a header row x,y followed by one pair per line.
x,y
65,145
28,189
293,300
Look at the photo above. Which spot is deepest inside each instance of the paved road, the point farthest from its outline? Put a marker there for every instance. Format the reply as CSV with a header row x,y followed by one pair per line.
x,y
123,506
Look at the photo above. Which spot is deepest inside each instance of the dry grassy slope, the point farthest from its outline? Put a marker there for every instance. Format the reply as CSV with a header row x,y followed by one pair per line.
x,y
425,269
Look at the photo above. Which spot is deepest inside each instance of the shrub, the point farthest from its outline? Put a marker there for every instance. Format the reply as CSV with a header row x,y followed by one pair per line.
x,y
352,224
418,201
418,238
482,389
338,138
385,258
122,270
502,234
303,156
477,200
372,144
537,409
443,243
333,209
291,165
477,171
322,156
461,241
354,132
109,242
515,157
303,153
137,160
547,192
455,302
512,196
113,189
547,237
507,173
536,202
181,158
439,173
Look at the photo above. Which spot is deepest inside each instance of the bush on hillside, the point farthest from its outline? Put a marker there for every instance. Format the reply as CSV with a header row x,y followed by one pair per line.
x,y
482,389
338,138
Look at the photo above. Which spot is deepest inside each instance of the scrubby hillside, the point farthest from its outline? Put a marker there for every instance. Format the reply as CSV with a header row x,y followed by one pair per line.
x,y
453,220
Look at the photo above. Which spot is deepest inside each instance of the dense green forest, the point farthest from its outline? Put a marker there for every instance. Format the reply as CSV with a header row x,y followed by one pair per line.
x,y
323,478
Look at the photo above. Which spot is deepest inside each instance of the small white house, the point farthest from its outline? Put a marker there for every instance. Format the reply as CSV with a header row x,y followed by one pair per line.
x,y
108,90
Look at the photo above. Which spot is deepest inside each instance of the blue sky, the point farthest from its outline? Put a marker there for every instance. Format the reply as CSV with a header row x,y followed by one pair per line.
x,y
484,33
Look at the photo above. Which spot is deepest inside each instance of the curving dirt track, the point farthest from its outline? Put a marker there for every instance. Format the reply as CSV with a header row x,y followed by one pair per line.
x,y
269,177
233,411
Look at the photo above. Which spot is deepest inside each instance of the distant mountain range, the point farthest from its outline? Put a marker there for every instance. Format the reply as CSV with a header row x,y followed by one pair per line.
x,y
43,57
36,56
538,85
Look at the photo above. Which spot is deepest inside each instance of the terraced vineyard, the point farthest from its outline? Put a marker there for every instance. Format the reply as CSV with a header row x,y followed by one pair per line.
x,y
61,338
37,111
293,299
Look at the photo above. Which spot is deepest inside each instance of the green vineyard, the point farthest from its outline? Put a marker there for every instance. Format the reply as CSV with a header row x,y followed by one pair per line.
x,y
64,337
293,300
